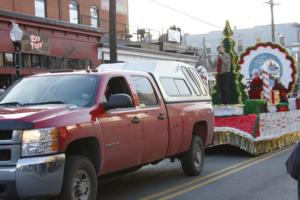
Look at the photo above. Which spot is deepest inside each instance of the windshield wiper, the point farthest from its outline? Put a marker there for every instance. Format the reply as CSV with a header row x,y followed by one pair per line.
x,y
12,104
44,103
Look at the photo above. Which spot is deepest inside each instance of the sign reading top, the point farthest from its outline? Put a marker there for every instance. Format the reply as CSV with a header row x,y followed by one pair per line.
x,y
35,43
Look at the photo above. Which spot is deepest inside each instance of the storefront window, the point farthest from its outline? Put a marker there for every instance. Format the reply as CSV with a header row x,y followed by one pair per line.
x,y
44,62
36,63
1,60
81,64
87,63
67,64
40,8
74,64
94,16
9,59
27,60
53,63
74,12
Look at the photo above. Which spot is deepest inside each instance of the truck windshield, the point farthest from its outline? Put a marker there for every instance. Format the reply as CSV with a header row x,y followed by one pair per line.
x,y
79,90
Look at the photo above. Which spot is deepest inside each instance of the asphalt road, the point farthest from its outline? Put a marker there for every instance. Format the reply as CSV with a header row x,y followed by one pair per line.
x,y
229,174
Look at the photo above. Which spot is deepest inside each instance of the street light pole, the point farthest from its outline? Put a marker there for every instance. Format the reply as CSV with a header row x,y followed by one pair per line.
x,y
16,35
18,62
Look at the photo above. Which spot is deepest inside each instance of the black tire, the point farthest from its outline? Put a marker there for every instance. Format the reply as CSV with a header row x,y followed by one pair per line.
x,y
192,161
80,180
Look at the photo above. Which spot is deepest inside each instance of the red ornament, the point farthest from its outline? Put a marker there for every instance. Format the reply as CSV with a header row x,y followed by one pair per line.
x,y
256,87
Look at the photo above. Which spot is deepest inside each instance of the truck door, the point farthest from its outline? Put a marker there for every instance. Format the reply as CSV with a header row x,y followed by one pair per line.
x,y
154,117
122,131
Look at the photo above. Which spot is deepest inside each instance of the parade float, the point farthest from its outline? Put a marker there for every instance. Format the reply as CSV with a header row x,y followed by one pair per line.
x,y
263,116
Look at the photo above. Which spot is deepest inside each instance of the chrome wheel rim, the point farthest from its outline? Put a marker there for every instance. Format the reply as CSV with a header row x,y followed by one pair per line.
x,y
81,186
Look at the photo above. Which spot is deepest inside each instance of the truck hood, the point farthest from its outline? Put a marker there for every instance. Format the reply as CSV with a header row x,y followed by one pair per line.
x,y
34,113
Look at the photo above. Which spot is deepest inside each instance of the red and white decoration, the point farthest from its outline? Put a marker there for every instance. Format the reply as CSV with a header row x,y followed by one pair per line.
x,y
275,65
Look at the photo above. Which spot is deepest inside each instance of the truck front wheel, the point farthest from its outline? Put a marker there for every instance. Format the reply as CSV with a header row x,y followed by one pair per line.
x,y
192,160
80,180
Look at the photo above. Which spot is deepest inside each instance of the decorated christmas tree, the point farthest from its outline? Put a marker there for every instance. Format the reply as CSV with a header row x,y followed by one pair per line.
x,y
238,93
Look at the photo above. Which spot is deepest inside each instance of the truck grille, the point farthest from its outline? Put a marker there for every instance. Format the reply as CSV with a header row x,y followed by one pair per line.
x,y
10,147
2,188
5,155
6,135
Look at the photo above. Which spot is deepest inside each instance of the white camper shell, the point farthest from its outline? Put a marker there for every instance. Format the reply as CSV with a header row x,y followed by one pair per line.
x,y
178,82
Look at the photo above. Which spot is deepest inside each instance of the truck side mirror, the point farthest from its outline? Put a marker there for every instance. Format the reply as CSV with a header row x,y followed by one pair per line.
x,y
118,101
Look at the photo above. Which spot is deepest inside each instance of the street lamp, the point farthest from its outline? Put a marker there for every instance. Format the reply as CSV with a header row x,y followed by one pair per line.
x,y
16,35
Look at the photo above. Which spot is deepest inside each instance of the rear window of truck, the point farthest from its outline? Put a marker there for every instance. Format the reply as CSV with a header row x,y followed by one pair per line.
x,y
175,86
191,81
198,81
195,81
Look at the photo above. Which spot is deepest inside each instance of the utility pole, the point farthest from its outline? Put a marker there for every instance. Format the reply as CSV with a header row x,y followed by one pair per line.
x,y
272,4
204,53
113,31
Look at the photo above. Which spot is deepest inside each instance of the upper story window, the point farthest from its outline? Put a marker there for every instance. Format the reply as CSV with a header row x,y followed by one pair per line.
x,y
74,12
40,8
94,16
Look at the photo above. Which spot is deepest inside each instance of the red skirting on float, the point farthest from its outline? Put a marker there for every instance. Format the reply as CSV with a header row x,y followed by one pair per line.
x,y
258,133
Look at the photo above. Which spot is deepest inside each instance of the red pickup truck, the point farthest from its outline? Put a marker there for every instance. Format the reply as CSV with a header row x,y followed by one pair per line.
x,y
59,131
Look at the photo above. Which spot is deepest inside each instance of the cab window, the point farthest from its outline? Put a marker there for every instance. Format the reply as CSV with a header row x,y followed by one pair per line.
x,y
116,85
144,90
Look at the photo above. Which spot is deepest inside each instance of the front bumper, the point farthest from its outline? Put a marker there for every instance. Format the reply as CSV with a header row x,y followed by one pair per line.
x,y
33,177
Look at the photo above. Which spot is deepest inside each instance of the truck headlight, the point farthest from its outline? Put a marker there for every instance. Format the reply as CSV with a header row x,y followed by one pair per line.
x,y
39,142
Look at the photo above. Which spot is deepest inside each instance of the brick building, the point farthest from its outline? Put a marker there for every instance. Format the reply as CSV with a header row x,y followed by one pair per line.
x,y
68,33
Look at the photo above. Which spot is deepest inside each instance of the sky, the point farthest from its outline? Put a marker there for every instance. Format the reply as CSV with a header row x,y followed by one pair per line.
x,y
240,13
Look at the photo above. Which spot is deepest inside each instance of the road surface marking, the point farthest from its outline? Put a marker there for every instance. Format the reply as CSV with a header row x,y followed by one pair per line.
x,y
237,166
178,193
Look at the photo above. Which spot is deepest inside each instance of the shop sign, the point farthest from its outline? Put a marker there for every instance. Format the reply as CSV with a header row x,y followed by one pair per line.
x,y
35,43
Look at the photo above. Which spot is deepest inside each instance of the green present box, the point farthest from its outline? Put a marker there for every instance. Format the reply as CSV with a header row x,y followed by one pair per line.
x,y
255,106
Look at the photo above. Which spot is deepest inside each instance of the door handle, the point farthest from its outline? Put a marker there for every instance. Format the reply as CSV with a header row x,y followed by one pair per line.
x,y
161,116
136,120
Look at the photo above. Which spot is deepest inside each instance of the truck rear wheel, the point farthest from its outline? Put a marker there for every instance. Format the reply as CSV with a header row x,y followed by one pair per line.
x,y
80,180
192,160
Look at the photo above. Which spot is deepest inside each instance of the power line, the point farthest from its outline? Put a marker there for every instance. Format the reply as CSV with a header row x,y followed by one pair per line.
x,y
186,14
